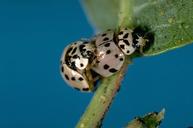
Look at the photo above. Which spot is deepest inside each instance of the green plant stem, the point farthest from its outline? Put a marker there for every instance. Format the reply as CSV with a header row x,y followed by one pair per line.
x,y
125,15
101,100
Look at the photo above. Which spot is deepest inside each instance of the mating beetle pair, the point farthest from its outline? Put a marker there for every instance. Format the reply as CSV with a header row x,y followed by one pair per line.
x,y
84,62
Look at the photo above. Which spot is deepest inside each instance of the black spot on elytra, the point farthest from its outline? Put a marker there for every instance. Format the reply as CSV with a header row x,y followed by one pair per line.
x,y
121,59
128,51
108,51
106,66
75,57
121,32
73,66
116,55
126,35
112,70
81,65
81,47
126,42
66,76
104,34
122,46
81,79
107,45
74,50
69,50
97,61
67,60
85,89
62,69
105,39
73,79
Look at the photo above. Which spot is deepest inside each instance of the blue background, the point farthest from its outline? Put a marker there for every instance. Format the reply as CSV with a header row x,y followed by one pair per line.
x,y
33,34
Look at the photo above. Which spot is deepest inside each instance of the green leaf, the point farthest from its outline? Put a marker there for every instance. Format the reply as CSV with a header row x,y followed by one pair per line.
x,y
170,21
105,14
